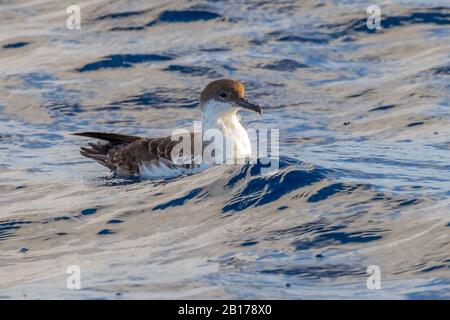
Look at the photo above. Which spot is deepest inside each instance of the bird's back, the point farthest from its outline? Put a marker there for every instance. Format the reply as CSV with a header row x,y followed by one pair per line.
x,y
125,154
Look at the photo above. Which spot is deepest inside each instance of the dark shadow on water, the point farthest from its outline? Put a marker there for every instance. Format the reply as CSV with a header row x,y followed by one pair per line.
x,y
316,38
436,267
329,238
382,108
437,16
294,38
7,228
105,232
197,71
179,201
114,221
15,45
157,99
333,189
444,70
303,229
123,61
89,211
414,124
431,294
314,272
322,233
215,49
262,190
283,65
360,94
121,15
64,108
408,202
165,17
253,170
61,218
248,243
184,16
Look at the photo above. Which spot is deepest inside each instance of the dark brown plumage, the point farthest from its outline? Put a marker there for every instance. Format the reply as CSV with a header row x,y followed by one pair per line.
x,y
123,154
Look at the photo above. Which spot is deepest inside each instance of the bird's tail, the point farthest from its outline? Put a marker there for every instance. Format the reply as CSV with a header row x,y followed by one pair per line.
x,y
99,151
114,138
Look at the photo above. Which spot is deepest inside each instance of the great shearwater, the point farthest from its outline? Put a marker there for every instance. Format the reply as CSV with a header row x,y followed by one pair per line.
x,y
128,155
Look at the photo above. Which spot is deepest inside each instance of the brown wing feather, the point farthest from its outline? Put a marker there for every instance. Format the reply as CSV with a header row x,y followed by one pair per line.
x,y
123,154
114,138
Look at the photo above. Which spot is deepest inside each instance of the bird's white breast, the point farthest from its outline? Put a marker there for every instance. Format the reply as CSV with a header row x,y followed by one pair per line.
x,y
224,118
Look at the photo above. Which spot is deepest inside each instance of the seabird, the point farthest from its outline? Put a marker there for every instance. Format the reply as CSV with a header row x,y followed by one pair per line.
x,y
128,155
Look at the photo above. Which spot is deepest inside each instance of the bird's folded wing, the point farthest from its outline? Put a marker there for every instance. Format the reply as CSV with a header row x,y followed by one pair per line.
x,y
124,154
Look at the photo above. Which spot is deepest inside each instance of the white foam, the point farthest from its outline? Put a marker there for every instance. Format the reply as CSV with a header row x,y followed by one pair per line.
x,y
162,171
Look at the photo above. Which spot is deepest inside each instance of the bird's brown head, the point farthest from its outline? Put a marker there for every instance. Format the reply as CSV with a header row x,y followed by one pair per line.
x,y
229,93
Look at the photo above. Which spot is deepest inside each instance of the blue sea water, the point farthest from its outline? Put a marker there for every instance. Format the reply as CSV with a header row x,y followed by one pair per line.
x,y
364,177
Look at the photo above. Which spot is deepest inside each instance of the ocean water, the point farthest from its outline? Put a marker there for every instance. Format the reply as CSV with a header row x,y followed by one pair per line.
x,y
364,178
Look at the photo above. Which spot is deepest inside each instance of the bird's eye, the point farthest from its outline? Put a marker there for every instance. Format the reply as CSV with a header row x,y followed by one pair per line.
x,y
223,95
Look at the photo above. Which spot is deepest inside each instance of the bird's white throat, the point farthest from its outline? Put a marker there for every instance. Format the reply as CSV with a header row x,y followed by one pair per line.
x,y
224,118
